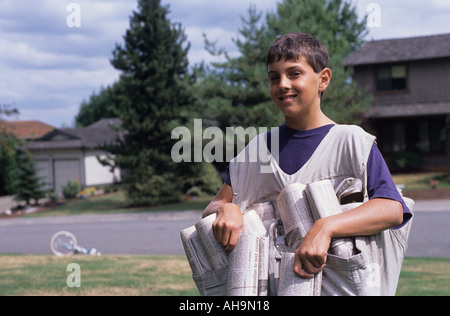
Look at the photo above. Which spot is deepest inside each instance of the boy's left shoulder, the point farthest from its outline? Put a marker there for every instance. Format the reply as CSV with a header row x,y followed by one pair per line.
x,y
349,128
352,131
354,138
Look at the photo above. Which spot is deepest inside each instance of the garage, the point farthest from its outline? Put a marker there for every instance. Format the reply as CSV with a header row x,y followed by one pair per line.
x,y
70,154
66,170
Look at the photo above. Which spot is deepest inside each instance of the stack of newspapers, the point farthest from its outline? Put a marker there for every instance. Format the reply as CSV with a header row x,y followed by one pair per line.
x,y
260,264
241,273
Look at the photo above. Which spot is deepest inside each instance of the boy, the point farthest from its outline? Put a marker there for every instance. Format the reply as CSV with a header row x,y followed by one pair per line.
x,y
312,147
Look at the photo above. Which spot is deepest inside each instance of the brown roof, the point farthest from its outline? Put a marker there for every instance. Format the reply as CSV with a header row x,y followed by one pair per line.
x,y
97,135
27,129
401,49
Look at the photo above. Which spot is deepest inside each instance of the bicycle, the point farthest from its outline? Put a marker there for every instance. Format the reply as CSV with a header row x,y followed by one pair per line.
x,y
64,244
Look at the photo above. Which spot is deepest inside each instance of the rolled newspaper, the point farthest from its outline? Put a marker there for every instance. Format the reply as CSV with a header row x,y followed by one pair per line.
x,y
295,215
214,250
291,284
196,254
243,272
243,267
323,203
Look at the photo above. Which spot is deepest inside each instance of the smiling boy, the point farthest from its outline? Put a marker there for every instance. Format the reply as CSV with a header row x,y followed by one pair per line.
x,y
312,147
296,90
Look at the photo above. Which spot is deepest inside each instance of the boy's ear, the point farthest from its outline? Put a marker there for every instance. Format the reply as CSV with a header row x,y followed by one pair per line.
x,y
325,78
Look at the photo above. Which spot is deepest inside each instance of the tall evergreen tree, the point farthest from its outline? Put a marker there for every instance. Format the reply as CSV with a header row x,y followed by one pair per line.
x,y
155,98
8,144
237,89
8,163
27,185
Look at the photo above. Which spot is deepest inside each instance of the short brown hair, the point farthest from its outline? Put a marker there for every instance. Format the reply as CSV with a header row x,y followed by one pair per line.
x,y
293,46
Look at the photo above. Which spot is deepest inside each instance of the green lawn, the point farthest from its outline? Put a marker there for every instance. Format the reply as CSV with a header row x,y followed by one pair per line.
x,y
106,275
425,276
116,203
422,181
162,275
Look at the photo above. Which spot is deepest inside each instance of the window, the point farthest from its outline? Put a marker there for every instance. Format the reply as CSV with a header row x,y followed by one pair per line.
x,y
422,136
391,78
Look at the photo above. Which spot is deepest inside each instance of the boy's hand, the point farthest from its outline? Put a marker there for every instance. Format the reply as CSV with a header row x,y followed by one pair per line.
x,y
311,256
228,225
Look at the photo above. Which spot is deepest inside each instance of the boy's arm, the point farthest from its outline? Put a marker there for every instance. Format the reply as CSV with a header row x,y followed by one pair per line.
x,y
370,218
229,221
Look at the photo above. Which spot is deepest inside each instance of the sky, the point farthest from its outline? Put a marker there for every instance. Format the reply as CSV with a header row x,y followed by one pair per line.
x,y
55,53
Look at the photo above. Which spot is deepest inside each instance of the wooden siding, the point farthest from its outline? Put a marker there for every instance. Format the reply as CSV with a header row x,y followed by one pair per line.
x,y
428,82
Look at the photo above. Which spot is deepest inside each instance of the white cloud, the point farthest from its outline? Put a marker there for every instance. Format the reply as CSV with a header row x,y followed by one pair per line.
x,y
47,67
217,13
39,90
64,115
407,18
440,4
28,57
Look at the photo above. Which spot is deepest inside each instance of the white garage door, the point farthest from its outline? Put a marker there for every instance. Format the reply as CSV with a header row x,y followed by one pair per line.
x,y
65,170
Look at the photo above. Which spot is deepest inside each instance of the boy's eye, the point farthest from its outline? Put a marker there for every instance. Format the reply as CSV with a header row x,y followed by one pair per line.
x,y
295,74
274,78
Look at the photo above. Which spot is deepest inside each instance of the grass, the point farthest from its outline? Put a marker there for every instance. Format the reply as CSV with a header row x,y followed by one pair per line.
x,y
162,275
27,275
116,203
421,181
425,277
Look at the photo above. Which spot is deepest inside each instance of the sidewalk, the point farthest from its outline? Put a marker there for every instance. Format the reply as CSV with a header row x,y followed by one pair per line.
x,y
420,206
432,205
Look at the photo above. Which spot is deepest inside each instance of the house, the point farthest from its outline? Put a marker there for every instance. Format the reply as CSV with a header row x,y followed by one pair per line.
x,y
409,79
71,154
27,130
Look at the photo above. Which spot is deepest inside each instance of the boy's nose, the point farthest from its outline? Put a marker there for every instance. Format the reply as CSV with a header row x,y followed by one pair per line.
x,y
285,83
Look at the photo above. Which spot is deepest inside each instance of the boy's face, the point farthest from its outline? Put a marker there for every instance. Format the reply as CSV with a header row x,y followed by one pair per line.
x,y
295,88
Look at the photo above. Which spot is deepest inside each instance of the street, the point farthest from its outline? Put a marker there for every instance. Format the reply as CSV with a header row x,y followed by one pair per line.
x,y
141,233
158,232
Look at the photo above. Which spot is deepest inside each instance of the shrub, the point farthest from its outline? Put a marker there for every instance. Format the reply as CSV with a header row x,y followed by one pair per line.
x,y
405,161
201,179
194,191
148,189
52,196
71,189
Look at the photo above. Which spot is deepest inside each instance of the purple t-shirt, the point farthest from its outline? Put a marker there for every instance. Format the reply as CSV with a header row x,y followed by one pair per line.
x,y
302,144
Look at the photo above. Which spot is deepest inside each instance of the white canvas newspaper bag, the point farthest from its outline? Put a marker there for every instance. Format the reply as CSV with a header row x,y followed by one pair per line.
x,y
343,154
